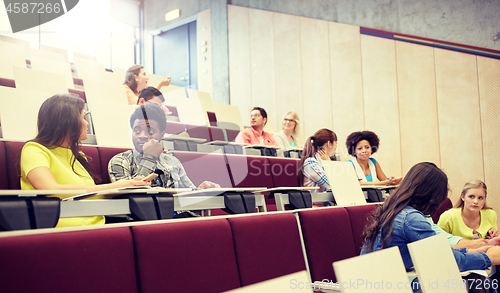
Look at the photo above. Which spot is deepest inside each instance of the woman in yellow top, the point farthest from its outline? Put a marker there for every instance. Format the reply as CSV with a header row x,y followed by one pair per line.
x,y
53,160
471,218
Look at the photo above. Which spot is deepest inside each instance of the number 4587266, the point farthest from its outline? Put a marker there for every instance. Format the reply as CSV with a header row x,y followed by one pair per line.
x,y
33,8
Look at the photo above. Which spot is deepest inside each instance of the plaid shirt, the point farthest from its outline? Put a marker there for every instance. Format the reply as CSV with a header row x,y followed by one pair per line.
x,y
314,174
130,164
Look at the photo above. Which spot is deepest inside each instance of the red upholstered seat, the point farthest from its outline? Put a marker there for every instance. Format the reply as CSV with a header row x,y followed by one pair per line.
x,y
217,134
284,171
100,260
12,154
446,205
359,216
200,167
79,93
92,155
173,110
199,132
266,246
105,155
247,171
232,134
175,127
191,256
4,180
7,82
328,238
212,118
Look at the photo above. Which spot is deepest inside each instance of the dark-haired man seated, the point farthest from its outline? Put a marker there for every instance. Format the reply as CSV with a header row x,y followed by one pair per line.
x,y
152,95
256,134
148,123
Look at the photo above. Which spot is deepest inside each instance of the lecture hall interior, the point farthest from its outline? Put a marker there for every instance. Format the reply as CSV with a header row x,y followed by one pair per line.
x,y
423,75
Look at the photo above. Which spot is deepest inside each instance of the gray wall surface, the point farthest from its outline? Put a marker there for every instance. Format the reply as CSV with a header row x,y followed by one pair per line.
x,y
469,22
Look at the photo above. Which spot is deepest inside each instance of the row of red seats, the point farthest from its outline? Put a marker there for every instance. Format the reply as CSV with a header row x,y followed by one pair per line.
x,y
208,255
226,170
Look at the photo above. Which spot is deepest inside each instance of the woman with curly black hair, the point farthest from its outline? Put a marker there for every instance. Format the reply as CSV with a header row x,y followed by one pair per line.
x,y
361,145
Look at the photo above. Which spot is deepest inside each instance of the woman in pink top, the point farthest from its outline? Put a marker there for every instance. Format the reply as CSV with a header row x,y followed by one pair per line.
x,y
136,80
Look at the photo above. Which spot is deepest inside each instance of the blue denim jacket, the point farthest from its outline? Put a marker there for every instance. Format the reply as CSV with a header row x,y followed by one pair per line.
x,y
410,225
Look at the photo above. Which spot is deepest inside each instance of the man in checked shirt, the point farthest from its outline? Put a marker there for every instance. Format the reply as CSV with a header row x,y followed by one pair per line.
x,y
148,123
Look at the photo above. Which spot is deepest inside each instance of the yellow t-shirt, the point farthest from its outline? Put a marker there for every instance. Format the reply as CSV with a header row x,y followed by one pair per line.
x,y
58,160
451,221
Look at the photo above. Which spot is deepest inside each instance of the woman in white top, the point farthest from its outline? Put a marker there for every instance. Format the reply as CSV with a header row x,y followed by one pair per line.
x,y
361,145
286,138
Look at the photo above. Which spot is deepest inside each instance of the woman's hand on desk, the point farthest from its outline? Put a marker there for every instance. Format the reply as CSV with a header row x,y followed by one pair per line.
x,y
208,184
137,181
393,181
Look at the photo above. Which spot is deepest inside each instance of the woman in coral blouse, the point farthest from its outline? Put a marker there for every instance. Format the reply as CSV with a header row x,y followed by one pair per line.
x,y
136,80
471,218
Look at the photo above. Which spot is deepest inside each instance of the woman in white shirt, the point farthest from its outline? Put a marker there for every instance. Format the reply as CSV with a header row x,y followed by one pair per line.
x,y
286,138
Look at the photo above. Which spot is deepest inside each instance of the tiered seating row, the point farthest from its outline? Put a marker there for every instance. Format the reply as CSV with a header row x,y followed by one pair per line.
x,y
226,170
209,255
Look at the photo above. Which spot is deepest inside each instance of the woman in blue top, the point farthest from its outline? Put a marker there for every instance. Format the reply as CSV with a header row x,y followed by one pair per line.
x,y
361,145
401,219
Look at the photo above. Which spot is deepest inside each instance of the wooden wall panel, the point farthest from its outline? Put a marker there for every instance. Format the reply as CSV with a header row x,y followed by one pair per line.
x,y
347,82
381,100
316,82
489,93
204,33
12,55
240,90
19,112
459,118
417,105
57,67
288,69
262,62
36,80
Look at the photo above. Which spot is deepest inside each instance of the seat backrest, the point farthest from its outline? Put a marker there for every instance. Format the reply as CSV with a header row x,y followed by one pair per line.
x,y
284,171
434,261
185,257
12,154
217,134
248,171
105,155
328,238
266,246
199,132
99,260
92,155
381,270
446,205
4,180
359,216
175,127
232,134
201,167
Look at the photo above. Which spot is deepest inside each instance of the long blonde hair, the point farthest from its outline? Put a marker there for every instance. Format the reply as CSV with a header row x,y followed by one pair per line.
x,y
470,185
297,122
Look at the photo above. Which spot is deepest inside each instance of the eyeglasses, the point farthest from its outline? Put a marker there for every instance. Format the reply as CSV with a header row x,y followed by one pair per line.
x,y
86,113
255,115
289,120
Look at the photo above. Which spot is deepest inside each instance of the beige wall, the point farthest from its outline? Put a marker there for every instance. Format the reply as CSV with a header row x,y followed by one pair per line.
x,y
426,104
